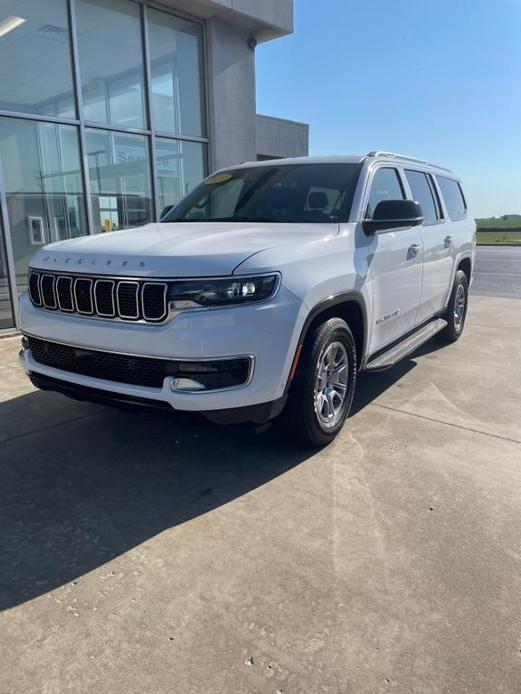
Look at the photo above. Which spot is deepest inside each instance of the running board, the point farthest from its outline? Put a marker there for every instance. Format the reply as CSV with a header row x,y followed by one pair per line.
x,y
406,347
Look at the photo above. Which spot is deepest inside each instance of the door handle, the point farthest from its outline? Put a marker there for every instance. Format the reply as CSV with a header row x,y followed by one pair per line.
x,y
447,241
413,250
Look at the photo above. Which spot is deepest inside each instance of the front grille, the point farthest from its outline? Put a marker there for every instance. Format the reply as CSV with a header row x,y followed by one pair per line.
x,y
128,302
104,298
48,291
139,371
83,296
64,293
34,289
153,298
100,296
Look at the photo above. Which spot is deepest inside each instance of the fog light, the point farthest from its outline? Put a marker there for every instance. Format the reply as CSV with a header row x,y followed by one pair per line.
x,y
211,375
180,384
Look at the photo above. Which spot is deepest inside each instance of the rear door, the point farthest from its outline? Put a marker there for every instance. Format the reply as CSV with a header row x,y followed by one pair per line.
x,y
395,266
437,244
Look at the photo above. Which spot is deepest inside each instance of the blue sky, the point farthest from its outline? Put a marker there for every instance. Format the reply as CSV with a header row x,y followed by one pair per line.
x,y
437,79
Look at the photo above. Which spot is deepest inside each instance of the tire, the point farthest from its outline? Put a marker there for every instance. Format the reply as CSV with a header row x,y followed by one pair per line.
x,y
456,312
314,413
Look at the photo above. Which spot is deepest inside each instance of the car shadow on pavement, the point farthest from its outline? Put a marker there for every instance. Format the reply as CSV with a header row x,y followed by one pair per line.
x,y
80,485
373,384
75,494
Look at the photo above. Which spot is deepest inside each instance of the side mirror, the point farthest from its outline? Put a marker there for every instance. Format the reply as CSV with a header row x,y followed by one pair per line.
x,y
394,214
164,211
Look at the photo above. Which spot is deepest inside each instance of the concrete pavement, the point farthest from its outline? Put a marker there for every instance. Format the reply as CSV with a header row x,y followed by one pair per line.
x,y
498,271
143,555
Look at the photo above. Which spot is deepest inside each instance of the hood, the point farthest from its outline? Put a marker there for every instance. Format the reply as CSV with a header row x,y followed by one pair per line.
x,y
192,249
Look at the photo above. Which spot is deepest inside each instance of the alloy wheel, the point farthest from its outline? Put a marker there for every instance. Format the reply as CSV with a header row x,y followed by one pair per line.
x,y
460,301
331,380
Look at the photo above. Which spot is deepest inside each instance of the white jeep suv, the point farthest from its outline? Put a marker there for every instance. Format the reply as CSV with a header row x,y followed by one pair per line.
x,y
264,291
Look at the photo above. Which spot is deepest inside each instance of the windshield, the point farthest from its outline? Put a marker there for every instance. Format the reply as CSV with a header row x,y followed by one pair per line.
x,y
285,193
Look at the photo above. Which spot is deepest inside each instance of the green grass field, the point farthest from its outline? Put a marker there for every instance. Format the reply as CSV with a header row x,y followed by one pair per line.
x,y
494,230
499,224
504,238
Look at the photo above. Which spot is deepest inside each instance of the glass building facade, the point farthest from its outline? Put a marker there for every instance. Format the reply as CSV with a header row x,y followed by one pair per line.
x,y
102,122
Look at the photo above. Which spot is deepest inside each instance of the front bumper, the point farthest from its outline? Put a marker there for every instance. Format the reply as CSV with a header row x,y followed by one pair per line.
x,y
257,414
268,332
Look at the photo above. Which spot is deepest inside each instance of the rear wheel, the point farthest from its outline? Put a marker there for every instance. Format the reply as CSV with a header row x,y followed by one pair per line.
x,y
322,392
456,312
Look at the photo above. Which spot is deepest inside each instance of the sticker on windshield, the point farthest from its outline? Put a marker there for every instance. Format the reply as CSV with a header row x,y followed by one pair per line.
x,y
219,178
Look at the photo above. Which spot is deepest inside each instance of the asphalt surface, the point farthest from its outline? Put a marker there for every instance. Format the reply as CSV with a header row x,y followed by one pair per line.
x,y
138,554
498,271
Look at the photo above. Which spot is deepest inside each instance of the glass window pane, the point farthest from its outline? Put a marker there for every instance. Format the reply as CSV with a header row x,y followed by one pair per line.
x,y
44,186
421,192
120,179
453,196
177,74
111,62
274,193
35,58
385,186
180,167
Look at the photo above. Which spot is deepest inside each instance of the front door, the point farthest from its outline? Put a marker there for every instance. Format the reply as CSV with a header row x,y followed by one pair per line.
x,y
395,267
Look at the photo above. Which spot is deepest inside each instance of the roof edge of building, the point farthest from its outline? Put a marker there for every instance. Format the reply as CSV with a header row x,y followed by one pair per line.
x,y
265,19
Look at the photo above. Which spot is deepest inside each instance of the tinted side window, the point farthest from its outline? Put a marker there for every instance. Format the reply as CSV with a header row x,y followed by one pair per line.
x,y
453,196
386,185
422,193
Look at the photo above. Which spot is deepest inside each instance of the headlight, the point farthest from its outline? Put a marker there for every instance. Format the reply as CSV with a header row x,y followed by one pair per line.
x,y
207,293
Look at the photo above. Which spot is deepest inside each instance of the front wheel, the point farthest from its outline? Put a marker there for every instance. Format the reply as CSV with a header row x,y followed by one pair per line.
x,y
456,312
322,392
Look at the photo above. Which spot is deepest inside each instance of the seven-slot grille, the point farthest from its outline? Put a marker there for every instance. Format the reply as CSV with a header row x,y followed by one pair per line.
x,y
105,297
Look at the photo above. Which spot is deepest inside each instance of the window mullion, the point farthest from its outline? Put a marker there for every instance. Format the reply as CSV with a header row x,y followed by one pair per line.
x,y
79,108
148,100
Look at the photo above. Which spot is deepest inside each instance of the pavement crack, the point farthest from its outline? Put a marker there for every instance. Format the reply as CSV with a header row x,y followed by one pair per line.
x,y
440,421
16,437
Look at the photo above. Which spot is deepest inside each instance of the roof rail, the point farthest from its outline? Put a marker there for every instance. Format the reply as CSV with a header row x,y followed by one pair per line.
x,y
394,155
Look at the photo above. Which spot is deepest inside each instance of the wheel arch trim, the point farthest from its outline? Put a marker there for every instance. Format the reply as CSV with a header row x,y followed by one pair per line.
x,y
465,255
321,307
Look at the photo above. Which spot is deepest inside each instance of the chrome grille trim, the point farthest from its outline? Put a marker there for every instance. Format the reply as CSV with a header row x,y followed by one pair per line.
x,y
76,302
165,307
62,278
112,292
54,306
37,275
137,310
123,283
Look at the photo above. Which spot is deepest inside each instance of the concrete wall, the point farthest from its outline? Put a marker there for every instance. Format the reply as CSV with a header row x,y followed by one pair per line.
x,y
263,19
231,66
277,138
